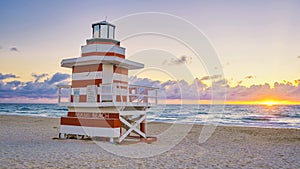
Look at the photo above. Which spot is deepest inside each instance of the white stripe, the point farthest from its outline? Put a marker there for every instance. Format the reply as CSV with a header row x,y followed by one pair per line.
x,y
82,91
90,131
92,109
120,62
119,91
87,75
120,77
97,75
116,91
102,48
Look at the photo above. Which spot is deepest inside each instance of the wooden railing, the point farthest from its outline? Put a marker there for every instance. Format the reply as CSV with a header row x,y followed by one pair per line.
x,y
64,97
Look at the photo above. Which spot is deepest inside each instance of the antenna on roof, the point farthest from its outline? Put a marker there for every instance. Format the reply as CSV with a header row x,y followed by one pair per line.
x,y
105,18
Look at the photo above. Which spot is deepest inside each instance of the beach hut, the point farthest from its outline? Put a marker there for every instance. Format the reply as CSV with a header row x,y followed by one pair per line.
x,y
101,102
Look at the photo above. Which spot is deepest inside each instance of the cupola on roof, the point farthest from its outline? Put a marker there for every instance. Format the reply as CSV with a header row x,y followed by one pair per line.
x,y
103,30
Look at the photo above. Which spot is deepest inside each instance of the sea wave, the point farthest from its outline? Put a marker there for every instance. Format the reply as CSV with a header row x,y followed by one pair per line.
x,y
234,115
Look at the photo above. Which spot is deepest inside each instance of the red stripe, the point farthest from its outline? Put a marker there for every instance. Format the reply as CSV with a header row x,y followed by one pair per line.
x,y
88,122
87,68
118,98
103,54
84,83
110,43
120,70
94,115
143,126
119,81
122,87
71,114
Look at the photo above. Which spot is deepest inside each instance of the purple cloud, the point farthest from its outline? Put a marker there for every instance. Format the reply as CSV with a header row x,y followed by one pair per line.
x,y
7,76
179,61
32,89
198,90
14,83
57,77
14,49
171,89
38,77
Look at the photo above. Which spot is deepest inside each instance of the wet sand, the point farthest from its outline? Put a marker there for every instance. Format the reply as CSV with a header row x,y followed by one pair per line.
x,y
27,142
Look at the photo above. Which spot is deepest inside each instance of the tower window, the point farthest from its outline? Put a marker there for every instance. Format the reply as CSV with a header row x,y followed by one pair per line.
x,y
111,32
103,30
96,31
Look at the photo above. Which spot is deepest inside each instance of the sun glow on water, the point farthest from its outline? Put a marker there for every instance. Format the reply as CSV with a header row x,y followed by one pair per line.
x,y
270,103
276,102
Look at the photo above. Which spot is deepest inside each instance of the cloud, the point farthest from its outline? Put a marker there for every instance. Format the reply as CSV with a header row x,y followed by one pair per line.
x,y
213,77
198,90
280,91
171,89
179,61
14,49
252,93
38,77
57,77
298,57
31,89
7,76
239,82
14,83
249,77
144,81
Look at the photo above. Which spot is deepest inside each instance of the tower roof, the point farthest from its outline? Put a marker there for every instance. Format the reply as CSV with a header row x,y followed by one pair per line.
x,y
69,63
103,23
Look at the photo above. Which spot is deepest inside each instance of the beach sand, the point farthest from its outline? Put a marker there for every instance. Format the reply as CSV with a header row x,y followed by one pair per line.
x,y
27,142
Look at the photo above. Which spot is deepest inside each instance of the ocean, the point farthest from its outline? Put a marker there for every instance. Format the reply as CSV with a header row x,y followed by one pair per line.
x,y
276,116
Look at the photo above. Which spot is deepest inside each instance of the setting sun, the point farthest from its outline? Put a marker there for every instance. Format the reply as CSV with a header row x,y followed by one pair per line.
x,y
276,102
270,102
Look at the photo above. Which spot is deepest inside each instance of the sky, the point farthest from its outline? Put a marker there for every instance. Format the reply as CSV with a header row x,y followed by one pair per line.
x,y
256,41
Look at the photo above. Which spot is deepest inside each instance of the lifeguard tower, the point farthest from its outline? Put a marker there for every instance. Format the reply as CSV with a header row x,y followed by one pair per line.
x,y
100,101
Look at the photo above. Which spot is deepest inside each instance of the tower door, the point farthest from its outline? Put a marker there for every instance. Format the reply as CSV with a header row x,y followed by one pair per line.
x,y
107,80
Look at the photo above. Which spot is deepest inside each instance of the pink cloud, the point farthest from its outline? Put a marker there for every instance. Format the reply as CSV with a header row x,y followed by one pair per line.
x,y
198,90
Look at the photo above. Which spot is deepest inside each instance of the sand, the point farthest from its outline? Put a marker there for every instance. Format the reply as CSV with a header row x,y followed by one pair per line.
x,y
27,142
